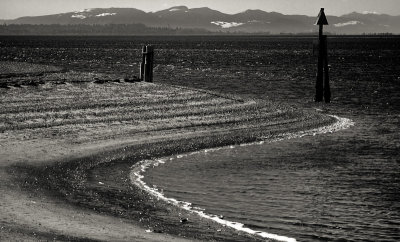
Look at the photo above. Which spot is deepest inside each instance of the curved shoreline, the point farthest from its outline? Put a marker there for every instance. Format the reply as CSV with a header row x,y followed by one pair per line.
x,y
70,181
68,177
138,170
81,189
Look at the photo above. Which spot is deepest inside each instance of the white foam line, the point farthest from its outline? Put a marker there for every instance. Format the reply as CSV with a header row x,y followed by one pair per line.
x,y
340,124
141,167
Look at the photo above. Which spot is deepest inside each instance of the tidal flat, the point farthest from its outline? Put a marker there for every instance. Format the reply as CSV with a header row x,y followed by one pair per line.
x,y
74,120
54,136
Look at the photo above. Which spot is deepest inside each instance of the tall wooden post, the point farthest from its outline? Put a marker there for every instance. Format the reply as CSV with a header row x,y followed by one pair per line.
x,y
319,85
322,84
146,67
327,88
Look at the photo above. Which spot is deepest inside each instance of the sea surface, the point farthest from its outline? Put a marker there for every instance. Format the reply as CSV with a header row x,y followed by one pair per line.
x,y
341,186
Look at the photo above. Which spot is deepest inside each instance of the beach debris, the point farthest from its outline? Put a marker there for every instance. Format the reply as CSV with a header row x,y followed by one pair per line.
x,y
184,220
159,231
99,81
132,79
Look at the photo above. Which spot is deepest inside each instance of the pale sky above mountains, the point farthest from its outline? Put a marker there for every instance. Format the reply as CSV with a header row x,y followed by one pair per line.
x,y
10,9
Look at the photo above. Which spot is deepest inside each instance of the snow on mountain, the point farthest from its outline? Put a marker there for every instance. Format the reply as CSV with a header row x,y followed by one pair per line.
x,y
176,9
87,10
105,14
348,23
79,16
226,25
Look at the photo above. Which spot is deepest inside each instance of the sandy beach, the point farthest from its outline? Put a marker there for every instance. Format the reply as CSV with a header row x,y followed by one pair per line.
x,y
68,140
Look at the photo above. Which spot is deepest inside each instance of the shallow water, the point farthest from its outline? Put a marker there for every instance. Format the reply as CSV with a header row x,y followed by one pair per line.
x,y
341,186
325,187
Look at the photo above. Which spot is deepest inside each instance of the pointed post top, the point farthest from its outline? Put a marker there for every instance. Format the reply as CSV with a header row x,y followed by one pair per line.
x,y
321,20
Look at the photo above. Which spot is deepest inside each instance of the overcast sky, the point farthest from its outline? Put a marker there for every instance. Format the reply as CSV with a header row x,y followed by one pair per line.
x,y
10,9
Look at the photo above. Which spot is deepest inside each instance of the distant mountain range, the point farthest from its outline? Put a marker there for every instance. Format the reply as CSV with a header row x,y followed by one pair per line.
x,y
206,19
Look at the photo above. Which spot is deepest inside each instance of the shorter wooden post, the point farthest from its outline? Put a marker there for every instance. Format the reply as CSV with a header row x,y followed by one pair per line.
x,y
148,64
141,75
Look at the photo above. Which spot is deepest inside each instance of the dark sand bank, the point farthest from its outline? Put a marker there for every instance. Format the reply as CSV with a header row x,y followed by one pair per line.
x,y
67,151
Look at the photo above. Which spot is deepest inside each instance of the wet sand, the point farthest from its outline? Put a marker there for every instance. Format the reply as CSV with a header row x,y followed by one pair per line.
x,y
67,148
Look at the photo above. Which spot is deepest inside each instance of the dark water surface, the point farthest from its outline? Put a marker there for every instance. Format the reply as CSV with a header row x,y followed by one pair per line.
x,y
342,186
